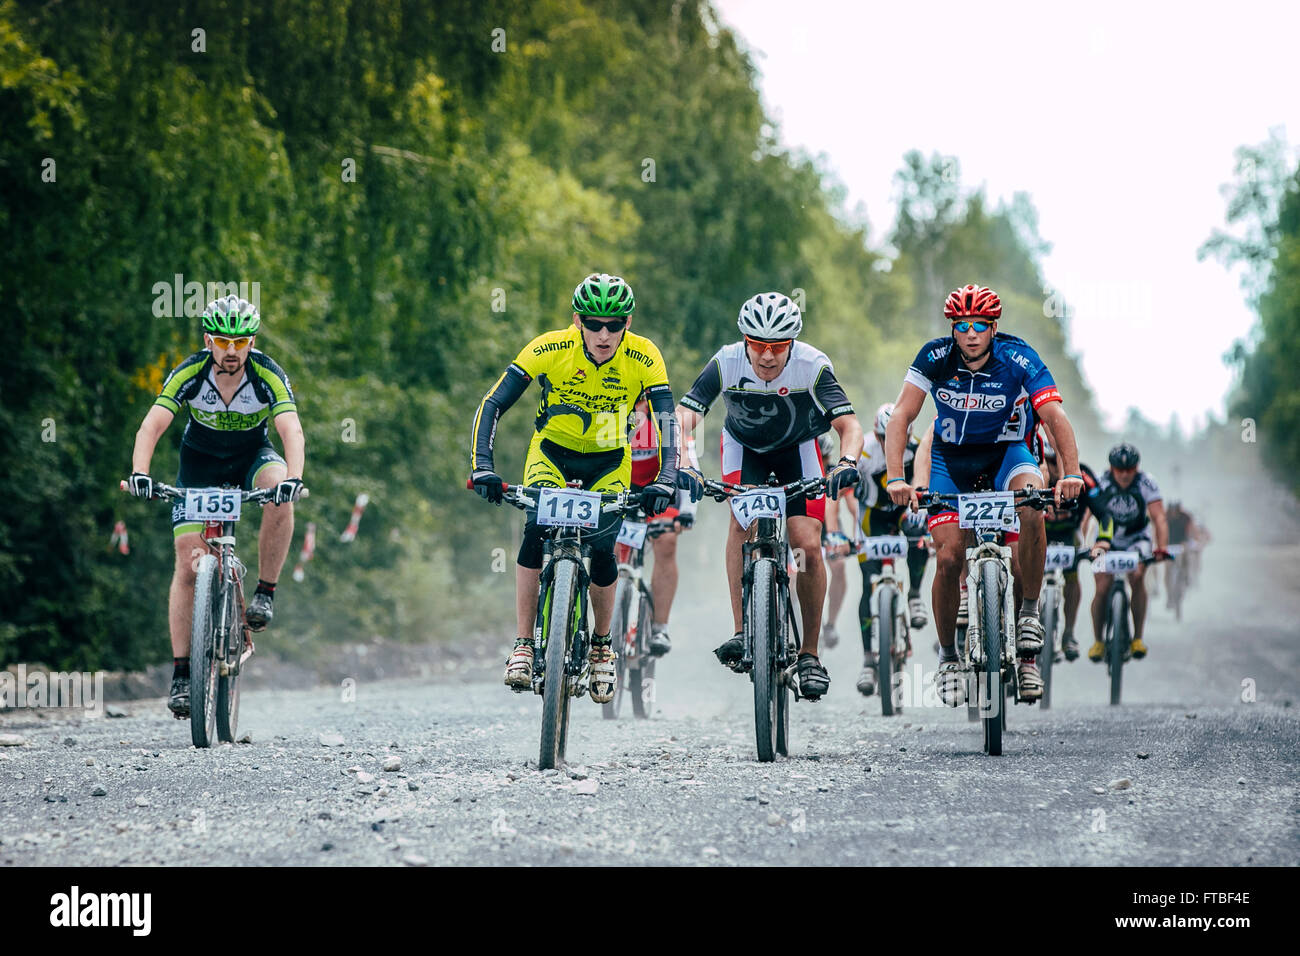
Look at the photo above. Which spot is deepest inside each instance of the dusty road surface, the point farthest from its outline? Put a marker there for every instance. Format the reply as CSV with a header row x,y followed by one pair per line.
x,y
1199,765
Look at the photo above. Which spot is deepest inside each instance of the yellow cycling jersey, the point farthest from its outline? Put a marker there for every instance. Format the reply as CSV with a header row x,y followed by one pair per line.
x,y
583,407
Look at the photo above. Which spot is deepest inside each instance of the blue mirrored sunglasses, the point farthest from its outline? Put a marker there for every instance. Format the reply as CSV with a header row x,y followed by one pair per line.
x,y
965,326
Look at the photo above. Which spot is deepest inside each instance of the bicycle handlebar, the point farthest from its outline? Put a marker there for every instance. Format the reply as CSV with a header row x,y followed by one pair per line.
x,y
1036,498
258,496
519,497
722,490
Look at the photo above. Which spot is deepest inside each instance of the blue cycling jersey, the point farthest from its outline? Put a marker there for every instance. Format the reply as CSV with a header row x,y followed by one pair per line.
x,y
994,404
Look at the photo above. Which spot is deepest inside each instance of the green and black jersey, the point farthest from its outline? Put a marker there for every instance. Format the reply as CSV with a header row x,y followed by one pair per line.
x,y
218,428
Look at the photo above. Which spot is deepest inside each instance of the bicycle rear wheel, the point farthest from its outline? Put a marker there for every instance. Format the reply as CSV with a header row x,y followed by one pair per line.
x,y
991,634
759,623
885,621
203,660
1118,641
228,685
782,631
618,630
561,599
1047,656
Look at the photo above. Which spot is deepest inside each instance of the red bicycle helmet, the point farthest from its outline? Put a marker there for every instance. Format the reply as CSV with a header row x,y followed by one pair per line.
x,y
973,301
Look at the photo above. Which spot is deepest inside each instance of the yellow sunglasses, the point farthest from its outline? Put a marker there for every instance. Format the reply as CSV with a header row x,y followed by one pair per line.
x,y
241,343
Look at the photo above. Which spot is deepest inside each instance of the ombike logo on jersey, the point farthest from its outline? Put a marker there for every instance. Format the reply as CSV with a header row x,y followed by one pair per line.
x,y
971,401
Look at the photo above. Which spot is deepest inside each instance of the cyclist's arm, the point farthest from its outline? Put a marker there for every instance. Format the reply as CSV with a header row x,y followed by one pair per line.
x,y
146,438
660,398
1058,426
684,503
1156,510
921,463
495,403
289,428
910,400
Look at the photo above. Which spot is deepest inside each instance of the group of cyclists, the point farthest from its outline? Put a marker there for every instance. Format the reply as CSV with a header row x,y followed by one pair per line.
x,y
607,420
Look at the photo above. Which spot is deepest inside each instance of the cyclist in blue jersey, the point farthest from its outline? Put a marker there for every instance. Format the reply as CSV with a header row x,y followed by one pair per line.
x,y
232,391
988,387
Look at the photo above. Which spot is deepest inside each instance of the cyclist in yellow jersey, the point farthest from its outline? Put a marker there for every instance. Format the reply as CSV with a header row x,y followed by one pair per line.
x,y
590,375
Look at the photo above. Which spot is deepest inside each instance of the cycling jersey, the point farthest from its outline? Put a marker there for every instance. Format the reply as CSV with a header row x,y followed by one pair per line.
x,y
768,416
1180,523
645,463
1122,512
584,407
874,475
995,403
221,429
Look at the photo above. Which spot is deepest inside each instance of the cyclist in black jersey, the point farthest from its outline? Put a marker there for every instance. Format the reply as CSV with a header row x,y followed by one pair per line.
x,y
232,390
1129,508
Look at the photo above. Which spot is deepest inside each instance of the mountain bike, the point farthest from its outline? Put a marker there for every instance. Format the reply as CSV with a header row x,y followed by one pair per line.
x,y
1116,629
633,618
561,635
220,641
770,627
1059,559
989,658
889,618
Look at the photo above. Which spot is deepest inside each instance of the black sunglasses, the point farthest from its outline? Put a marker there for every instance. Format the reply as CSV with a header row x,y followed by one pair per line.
x,y
595,325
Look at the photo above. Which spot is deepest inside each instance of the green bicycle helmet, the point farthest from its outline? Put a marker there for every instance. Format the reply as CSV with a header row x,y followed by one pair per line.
x,y
602,294
231,315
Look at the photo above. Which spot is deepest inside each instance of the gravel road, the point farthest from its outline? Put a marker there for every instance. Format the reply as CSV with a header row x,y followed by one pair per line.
x,y
438,772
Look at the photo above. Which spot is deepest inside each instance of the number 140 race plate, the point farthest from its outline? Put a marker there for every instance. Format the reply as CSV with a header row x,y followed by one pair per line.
x,y
751,505
212,504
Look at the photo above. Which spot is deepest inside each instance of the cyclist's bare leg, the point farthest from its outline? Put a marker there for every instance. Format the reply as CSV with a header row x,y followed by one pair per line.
x,y
663,581
835,591
180,599
526,581
276,534
1138,601
945,594
806,539
1032,544
602,606
735,569
1072,595
1102,583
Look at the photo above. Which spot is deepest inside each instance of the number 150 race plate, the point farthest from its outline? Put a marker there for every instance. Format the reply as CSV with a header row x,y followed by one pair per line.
x,y
212,504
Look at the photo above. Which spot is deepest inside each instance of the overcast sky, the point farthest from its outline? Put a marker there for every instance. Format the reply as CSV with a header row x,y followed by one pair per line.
x,y
1119,119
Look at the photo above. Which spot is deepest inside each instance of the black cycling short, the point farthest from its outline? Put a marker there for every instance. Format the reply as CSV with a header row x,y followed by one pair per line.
x,y
593,469
200,470
744,466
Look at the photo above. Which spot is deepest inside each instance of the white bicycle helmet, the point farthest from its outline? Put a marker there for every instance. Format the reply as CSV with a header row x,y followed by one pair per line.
x,y
770,315
883,414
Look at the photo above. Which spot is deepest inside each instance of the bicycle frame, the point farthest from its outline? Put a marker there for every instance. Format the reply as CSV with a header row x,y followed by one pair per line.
x,y
219,536
768,541
565,545
987,548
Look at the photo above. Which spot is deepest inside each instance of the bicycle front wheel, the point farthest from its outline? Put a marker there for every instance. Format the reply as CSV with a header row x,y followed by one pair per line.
x,y
1118,641
759,621
561,599
991,633
1047,656
885,621
203,658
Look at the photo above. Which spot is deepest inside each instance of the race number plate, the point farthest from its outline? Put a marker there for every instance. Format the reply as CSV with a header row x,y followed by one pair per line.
x,y
751,505
1060,557
1118,562
212,504
885,547
568,508
988,509
632,533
